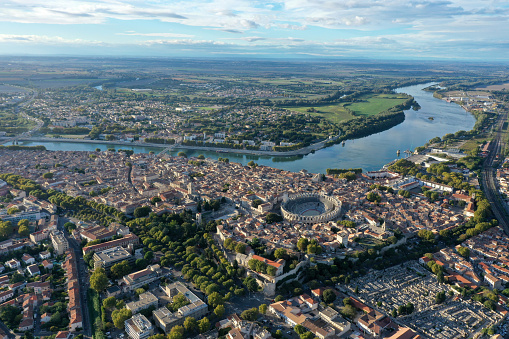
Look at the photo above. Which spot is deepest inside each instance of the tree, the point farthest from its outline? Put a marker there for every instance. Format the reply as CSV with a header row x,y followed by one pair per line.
x,y
10,316
219,311
23,222
251,284
23,231
47,175
109,302
182,154
440,277
426,235
279,298
190,324
329,296
440,297
307,335
314,248
490,305
177,332
299,329
464,251
256,202
240,248
155,336
12,210
262,308
204,325
141,264
272,218
149,255
69,226
155,200
373,197
120,269
348,311
280,253
120,316
271,270
215,299
141,212
302,244
250,314
99,279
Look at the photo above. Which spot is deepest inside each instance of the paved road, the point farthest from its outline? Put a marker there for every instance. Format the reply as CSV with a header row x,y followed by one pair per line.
x,y
10,334
300,151
82,277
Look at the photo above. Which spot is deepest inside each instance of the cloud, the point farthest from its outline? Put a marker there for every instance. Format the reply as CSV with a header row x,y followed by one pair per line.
x,y
234,31
43,39
253,38
292,27
405,26
166,35
73,15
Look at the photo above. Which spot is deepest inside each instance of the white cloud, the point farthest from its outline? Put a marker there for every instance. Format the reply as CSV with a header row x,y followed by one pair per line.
x,y
166,35
414,24
43,39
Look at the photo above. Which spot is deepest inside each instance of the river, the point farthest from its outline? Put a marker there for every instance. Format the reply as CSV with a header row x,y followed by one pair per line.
x,y
369,153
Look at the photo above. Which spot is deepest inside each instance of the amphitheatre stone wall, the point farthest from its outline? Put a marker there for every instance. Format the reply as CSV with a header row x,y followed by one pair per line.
x,y
327,207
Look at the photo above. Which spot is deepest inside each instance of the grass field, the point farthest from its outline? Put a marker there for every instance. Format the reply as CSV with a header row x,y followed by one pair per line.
x,y
67,136
372,105
333,113
472,144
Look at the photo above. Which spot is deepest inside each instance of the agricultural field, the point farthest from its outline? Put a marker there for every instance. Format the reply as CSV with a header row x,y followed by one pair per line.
x,y
498,87
59,83
367,105
371,105
11,89
472,144
333,113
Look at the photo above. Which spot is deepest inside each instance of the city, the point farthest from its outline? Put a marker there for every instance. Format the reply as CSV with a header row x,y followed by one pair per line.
x,y
254,169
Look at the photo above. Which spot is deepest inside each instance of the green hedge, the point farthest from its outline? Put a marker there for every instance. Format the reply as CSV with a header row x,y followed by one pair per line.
x,y
94,309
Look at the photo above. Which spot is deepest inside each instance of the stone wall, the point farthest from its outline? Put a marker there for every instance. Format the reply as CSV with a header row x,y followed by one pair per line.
x,y
328,201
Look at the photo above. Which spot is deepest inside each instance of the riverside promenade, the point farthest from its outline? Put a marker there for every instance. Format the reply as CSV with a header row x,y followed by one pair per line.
x,y
301,151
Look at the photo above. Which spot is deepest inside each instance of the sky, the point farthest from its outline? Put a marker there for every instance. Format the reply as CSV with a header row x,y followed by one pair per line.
x,y
474,30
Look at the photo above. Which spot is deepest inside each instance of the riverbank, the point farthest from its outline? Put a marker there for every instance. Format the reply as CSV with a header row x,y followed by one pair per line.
x,y
303,151
369,153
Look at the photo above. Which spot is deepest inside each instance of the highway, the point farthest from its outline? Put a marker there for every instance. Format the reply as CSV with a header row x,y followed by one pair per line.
x,y
489,179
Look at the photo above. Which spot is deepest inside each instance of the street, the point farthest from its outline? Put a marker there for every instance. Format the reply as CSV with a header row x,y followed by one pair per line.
x,y
82,277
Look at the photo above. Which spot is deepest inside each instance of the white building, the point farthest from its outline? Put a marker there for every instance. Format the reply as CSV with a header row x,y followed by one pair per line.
x,y
138,327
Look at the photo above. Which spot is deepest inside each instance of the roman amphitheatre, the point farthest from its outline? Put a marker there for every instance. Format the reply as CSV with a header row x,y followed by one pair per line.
x,y
310,208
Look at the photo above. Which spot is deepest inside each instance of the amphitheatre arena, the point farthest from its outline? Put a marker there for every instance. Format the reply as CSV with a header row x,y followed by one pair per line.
x,y
310,208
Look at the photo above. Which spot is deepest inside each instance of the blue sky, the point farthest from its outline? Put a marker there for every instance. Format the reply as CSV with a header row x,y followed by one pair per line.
x,y
372,29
